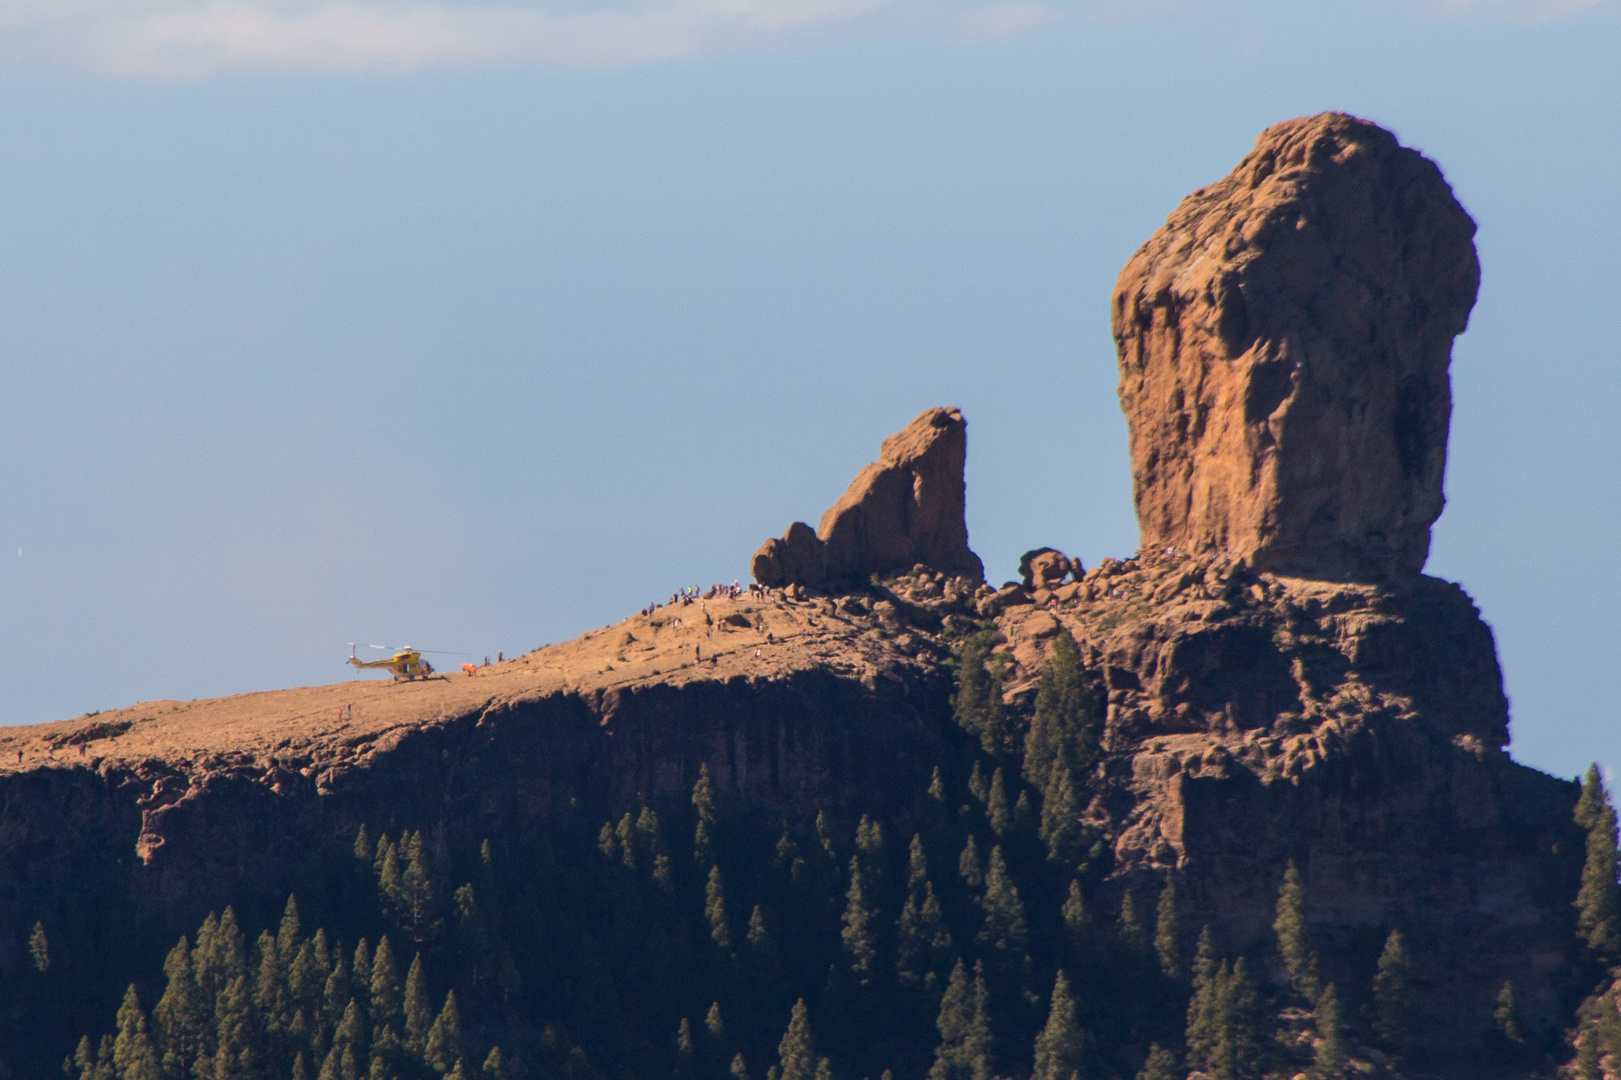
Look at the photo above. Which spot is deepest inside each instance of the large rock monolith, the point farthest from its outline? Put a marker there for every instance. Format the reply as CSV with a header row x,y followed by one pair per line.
x,y
1284,342
905,509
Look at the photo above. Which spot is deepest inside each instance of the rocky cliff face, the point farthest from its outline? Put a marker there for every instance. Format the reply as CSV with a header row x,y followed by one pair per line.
x,y
1357,730
1284,342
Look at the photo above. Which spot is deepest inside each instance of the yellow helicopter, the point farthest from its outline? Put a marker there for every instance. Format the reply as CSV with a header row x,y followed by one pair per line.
x,y
406,664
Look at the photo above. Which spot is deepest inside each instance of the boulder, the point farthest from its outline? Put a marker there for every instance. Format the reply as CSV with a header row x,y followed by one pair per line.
x,y
1284,342
1046,568
904,510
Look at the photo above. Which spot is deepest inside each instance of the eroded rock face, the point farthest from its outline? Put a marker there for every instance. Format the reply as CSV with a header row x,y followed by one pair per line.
x,y
1284,342
905,509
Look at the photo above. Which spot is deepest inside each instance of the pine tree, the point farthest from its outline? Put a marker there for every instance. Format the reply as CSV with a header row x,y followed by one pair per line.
x,y
1329,1061
1059,1047
418,1013
1393,1004
1167,935
473,934
703,802
1598,904
269,984
996,807
179,1014
740,1068
650,843
360,971
860,927
762,949
969,866
387,995
133,1056
824,839
625,833
219,956
494,1067
1299,958
418,891
1129,929
237,1055
301,1068
684,1048
305,978
1232,1023
1046,732
1201,1020
870,848
351,1030
1024,814
288,935
923,944
390,876
97,1065
720,931
338,992
444,1046
796,1053
1160,1064
965,1047
1589,1063
39,948
1590,798
85,1065
1060,827
714,1025
978,787
1077,924
386,1055
917,863
978,703
1065,719
1506,1017
1005,929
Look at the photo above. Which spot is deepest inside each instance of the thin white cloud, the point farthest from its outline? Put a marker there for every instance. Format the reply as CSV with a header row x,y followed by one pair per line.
x,y
188,38
185,39
1517,11
1012,19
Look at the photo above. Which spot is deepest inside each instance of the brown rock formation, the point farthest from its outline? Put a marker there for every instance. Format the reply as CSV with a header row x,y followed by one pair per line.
x,y
1046,568
1284,342
905,509
1359,730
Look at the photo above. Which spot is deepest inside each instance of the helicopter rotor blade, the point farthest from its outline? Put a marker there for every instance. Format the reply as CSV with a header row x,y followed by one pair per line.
x,y
406,648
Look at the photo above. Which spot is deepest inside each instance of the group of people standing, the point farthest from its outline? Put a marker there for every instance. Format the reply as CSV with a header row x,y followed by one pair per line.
x,y
689,593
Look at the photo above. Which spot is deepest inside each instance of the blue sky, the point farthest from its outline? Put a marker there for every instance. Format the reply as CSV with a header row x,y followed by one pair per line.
x,y
474,326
